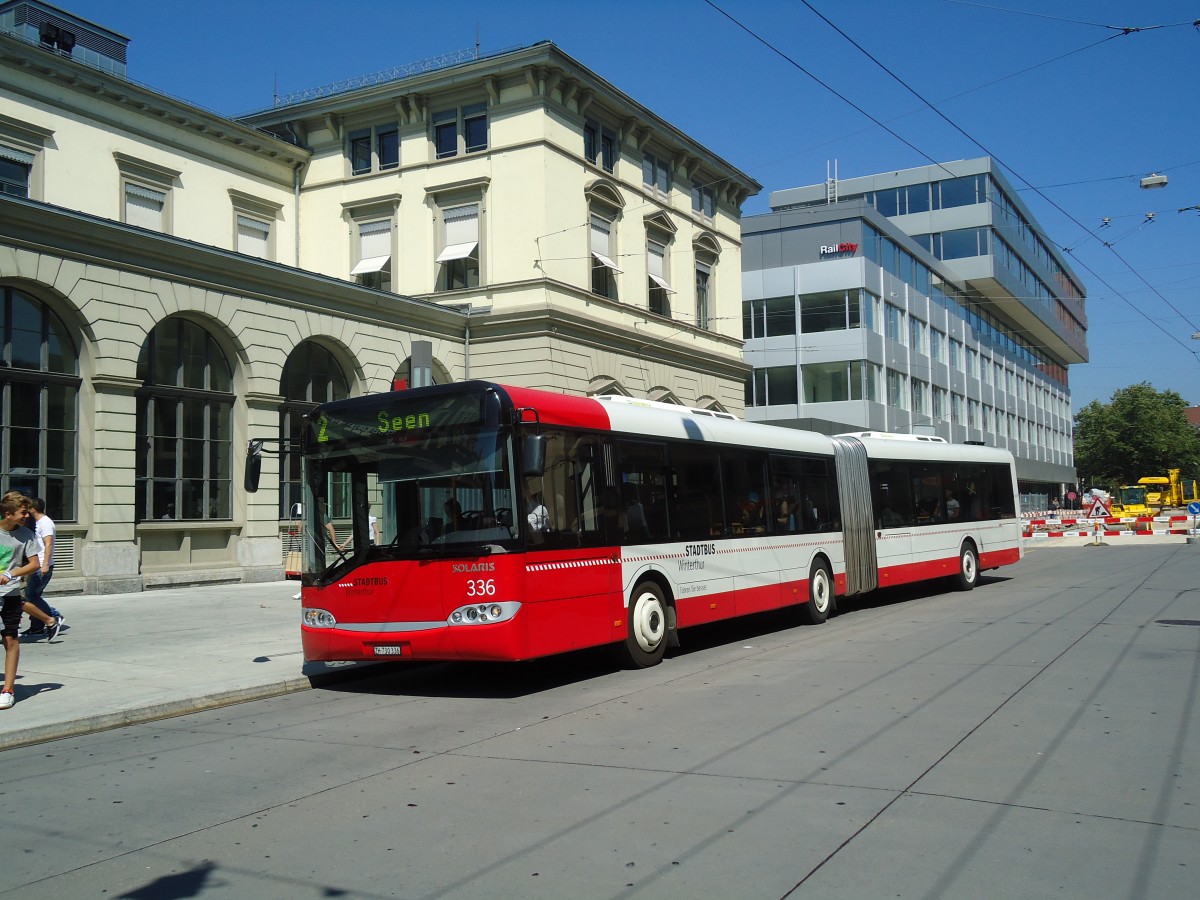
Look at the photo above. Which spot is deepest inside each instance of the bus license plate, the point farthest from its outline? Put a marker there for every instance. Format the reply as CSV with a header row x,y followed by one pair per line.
x,y
389,649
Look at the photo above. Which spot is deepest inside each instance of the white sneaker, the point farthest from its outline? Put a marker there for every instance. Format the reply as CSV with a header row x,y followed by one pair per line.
x,y
7,699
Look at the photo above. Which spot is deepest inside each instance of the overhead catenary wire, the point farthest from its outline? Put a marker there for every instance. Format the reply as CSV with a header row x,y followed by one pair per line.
x,y
648,202
1130,177
575,227
1014,172
1123,29
947,99
787,58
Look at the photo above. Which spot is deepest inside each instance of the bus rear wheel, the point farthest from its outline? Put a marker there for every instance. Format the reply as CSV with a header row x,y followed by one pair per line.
x,y
646,632
968,567
820,594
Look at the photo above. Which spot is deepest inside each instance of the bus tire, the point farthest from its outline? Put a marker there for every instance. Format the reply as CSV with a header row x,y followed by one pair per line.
x,y
968,567
646,627
820,594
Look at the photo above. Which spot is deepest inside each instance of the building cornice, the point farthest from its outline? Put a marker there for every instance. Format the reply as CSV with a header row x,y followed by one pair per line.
x,y
569,325
139,102
649,335
43,228
548,74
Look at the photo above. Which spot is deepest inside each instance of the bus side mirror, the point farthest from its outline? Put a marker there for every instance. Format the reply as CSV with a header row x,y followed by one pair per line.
x,y
533,455
253,465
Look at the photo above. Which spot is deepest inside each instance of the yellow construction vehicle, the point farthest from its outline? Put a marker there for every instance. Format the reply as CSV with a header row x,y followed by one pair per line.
x,y
1169,492
1129,500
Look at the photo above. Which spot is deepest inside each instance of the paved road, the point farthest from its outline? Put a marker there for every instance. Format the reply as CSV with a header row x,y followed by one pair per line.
x,y
1033,738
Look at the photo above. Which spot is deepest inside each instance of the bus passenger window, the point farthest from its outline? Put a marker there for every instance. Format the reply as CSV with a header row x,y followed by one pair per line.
x,y
784,506
635,513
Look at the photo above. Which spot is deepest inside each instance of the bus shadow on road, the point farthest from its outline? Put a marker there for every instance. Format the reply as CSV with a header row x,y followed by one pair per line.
x,y
910,593
482,680
759,625
510,680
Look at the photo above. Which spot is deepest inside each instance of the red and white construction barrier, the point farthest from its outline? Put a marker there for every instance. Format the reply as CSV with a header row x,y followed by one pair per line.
x,y
1051,527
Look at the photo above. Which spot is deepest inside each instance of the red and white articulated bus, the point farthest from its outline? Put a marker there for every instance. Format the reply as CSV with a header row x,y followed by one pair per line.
x,y
516,523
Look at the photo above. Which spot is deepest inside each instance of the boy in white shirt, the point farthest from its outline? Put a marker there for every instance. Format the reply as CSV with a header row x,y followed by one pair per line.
x,y
36,583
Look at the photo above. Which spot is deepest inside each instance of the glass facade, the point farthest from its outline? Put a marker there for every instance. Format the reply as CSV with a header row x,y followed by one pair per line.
x,y
949,357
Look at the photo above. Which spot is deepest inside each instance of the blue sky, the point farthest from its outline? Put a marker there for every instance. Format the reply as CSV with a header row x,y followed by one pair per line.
x,y
1071,108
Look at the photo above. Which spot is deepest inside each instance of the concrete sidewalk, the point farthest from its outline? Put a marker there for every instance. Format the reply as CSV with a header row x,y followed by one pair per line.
x,y
126,658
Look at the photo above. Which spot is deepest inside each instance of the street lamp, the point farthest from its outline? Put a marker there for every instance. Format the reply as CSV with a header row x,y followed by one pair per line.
x,y
1153,180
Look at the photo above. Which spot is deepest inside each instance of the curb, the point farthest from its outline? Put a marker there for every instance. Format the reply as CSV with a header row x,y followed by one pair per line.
x,y
40,734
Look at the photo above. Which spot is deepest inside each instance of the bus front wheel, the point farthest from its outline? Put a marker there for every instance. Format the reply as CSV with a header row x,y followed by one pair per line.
x,y
968,567
820,594
646,634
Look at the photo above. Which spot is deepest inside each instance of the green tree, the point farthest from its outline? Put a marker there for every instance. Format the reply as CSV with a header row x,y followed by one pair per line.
x,y
1140,431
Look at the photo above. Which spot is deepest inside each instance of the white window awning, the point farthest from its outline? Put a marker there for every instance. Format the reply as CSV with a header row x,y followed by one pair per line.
x,y
371,264
457,251
605,261
662,283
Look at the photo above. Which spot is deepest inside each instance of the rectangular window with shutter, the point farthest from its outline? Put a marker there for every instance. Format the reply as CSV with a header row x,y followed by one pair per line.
x,y
459,258
15,168
374,267
253,237
145,207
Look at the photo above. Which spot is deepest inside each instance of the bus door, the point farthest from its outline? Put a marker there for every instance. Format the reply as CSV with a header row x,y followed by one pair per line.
x,y
937,510
789,518
895,519
756,567
705,559
573,567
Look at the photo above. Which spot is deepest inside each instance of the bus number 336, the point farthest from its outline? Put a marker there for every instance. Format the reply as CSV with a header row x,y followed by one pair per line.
x,y
481,587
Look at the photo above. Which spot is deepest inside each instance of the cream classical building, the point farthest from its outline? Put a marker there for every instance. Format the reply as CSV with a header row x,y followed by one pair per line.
x,y
174,282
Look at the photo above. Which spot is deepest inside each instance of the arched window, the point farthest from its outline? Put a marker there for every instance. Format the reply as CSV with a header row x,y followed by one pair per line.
x,y
184,424
311,375
39,392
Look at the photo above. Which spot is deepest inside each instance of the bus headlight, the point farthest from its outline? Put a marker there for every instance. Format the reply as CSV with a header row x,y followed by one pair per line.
x,y
318,618
484,613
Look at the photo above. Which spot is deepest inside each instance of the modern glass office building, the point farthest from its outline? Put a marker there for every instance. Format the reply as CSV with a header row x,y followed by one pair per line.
x,y
926,300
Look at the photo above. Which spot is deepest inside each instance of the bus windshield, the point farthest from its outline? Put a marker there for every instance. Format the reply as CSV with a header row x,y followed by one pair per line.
x,y
398,483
